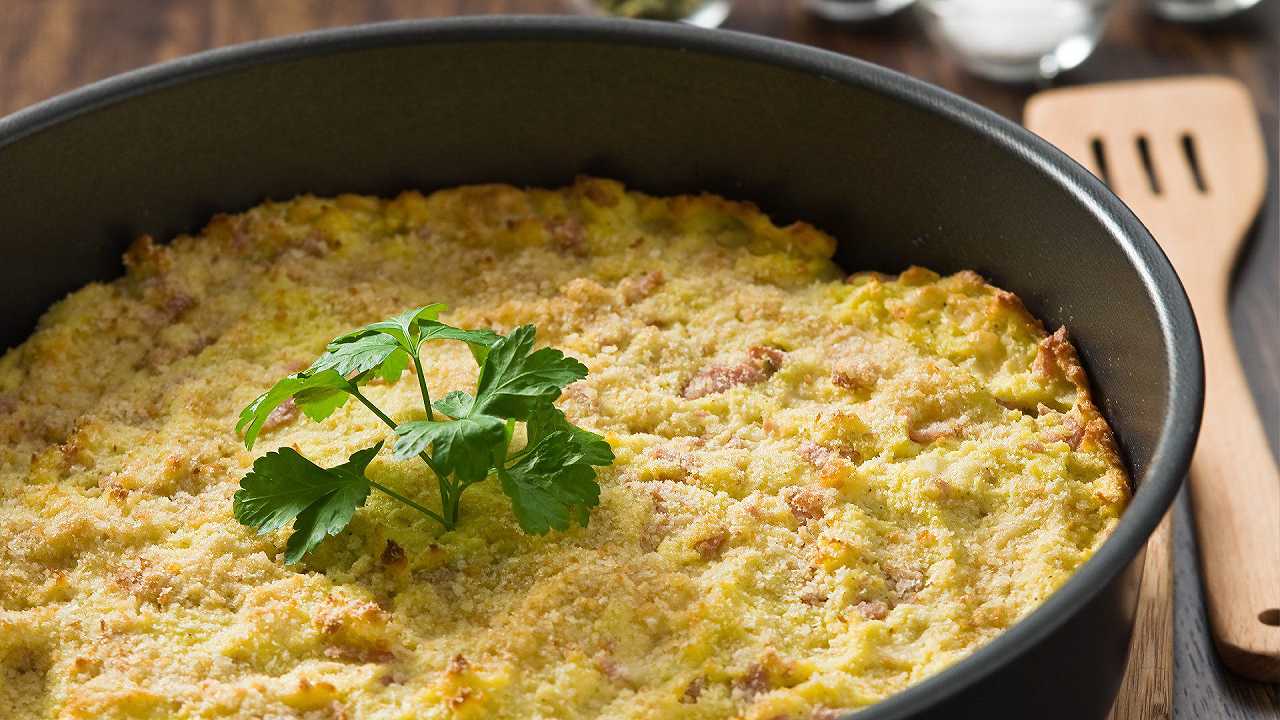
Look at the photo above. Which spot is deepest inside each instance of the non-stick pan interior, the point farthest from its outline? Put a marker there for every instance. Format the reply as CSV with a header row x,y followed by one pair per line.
x,y
898,174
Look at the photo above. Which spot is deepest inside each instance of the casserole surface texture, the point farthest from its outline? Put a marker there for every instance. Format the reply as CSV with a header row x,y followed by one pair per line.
x,y
826,488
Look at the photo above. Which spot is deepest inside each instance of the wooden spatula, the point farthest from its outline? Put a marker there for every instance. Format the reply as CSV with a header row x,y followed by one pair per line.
x,y
1187,156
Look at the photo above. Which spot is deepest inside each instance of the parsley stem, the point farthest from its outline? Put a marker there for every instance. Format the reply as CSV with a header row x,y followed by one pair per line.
x,y
372,408
448,500
425,511
422,383
392,425
455,504
511,459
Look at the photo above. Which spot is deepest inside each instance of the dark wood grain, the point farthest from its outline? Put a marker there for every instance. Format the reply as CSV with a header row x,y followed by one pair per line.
x,y
51,46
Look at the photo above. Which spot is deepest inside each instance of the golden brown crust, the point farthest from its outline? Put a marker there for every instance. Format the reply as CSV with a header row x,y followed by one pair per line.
x,y
1057,357
825,490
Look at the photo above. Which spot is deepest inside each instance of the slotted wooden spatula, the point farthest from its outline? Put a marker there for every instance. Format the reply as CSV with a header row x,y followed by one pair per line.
x,y
1187,156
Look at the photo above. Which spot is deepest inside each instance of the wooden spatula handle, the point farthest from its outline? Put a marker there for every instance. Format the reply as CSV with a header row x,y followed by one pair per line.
x,y
1236,493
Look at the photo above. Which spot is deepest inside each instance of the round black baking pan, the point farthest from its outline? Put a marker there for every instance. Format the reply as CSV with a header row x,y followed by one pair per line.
x,y
898,171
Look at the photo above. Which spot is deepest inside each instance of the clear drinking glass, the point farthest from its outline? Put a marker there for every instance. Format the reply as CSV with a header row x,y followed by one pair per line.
x,y
1199,10
854,10
1016,40
703,13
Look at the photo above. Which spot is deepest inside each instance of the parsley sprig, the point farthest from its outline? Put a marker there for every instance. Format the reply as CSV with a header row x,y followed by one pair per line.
x,y
464,439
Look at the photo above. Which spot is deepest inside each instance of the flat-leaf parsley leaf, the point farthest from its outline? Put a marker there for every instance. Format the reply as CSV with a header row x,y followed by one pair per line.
x,y
551,481
515,378
462,447
285,486
316,395
550,484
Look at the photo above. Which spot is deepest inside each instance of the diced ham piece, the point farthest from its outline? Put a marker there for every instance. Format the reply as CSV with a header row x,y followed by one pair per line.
x,y
927,433
760,364
709,547
284,413
873,609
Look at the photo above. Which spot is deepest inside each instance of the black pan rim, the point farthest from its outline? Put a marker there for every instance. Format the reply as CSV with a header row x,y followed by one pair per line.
x,y
1172,453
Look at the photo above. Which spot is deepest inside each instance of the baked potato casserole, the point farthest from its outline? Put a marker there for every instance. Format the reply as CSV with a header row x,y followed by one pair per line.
x,y
825,489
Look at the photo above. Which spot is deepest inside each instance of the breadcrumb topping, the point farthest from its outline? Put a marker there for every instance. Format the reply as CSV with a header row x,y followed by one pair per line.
x,y
826,489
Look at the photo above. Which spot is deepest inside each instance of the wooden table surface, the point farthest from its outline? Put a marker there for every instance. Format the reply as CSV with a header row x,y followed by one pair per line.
x,y
51,46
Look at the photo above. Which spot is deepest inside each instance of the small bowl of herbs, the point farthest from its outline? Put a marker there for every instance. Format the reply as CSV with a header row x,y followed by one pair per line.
x,y
703,13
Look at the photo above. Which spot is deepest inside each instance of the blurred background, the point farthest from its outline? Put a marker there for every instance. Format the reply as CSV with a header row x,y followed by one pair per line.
x,y
995,52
